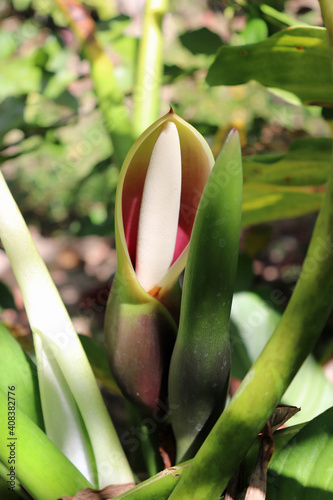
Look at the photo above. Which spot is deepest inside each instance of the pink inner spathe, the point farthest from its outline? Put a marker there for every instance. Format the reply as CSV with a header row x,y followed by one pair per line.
x,y
195,171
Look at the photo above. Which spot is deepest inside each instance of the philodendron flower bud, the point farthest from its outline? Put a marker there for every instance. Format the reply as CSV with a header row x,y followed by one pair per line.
x,y
159,189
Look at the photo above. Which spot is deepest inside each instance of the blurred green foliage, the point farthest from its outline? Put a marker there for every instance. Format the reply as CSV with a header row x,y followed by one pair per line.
x,y
56,151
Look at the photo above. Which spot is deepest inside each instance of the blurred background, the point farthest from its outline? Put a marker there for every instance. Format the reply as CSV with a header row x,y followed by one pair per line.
x,y
57,153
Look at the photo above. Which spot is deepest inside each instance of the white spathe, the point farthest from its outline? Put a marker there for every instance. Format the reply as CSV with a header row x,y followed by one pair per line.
x,y
160,206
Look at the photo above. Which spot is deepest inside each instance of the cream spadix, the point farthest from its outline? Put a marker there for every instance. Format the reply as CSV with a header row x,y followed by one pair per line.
x,y
159,212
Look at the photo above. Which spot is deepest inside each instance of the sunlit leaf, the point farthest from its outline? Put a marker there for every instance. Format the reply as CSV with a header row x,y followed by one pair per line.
x,y
19,371
289,185
282,61
40,466
303,468
253,322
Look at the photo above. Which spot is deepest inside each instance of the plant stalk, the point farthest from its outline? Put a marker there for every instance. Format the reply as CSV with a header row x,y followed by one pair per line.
x,y
146,97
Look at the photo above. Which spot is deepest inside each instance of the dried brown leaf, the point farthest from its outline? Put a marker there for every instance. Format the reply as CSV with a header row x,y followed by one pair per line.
x,y
281,415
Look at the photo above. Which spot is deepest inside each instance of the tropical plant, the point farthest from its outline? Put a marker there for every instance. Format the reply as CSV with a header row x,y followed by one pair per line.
x,y
173,341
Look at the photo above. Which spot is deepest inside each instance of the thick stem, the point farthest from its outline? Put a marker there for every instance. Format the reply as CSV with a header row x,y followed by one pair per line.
x,y
327,13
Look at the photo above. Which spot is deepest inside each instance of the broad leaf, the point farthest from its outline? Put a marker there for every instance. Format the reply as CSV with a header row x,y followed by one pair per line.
x,y
303,468
306,163
289,185
253,322
282,61
201,41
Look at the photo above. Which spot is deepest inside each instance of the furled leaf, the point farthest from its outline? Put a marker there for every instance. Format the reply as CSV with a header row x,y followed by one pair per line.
x,y
200,363
282,61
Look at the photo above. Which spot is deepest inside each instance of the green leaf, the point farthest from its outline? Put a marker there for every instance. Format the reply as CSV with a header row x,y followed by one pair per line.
x,y
11,114
201,41
39,465
282,61
200,363
255,31
6,297
19,76
265,202
306,163
253,323
289,185
158,486
303,468
5,493
98,361
18,370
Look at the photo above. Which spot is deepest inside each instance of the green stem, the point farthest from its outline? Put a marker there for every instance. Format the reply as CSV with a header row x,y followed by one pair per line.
x,y
146,96
327,13
150,451
161,485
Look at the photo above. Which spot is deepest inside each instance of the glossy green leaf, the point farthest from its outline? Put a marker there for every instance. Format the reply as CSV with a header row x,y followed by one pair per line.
x,y
289,185
253,322
39,465
200,363
18,370
303,468
282,61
